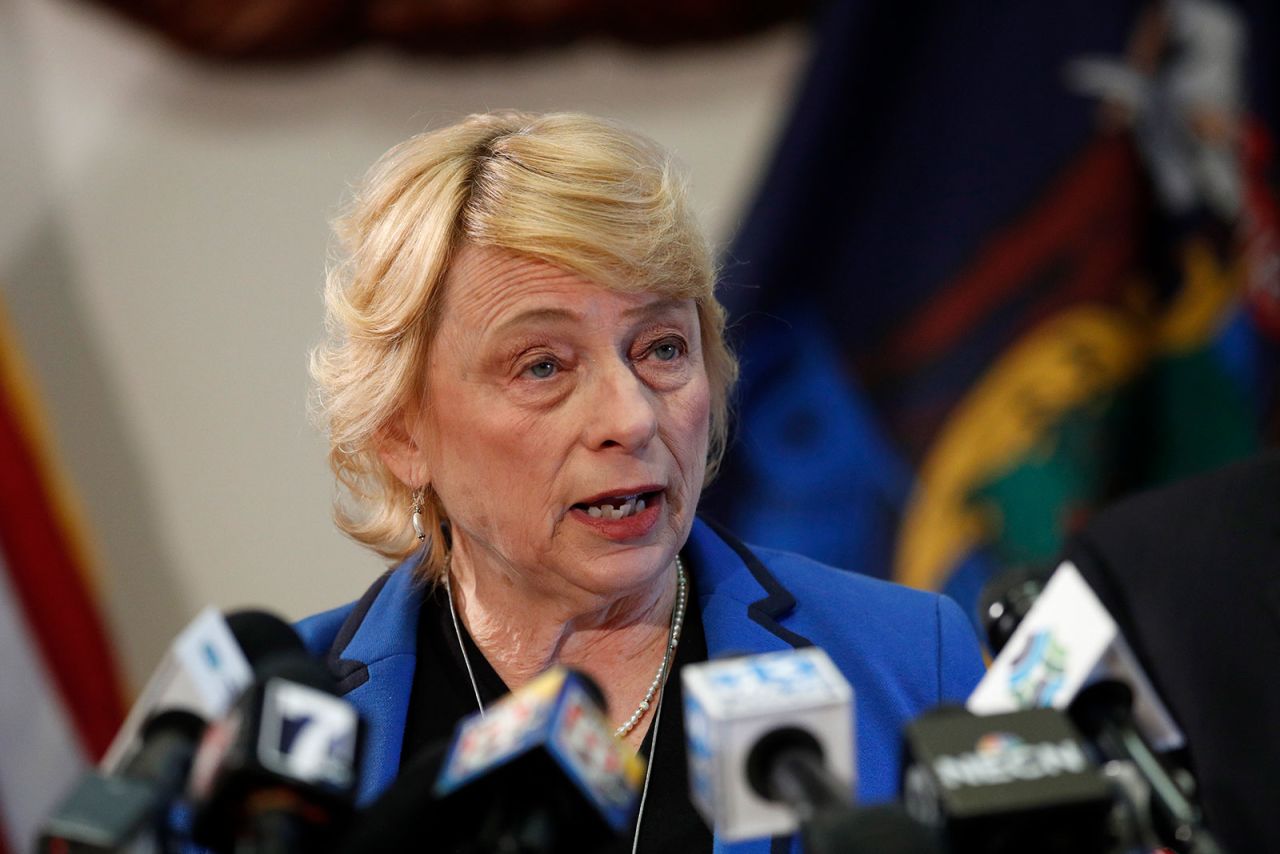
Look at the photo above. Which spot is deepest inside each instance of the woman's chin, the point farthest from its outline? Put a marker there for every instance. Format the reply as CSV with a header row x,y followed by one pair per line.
x,y
626,574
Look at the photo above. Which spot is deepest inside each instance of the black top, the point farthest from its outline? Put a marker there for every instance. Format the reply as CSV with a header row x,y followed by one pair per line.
x,y
1191,572
441,695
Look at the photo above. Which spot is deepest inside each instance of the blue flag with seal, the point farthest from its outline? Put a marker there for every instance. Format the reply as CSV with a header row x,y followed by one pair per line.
x,y
1009,262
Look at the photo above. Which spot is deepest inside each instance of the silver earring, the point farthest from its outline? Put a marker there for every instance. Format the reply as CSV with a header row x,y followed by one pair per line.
x,y
419,524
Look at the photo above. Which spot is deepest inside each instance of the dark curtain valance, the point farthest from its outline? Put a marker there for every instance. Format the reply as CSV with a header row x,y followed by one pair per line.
x,y
301,29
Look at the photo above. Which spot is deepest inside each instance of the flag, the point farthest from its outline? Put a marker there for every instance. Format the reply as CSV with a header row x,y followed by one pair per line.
x,y
62,698
1009,262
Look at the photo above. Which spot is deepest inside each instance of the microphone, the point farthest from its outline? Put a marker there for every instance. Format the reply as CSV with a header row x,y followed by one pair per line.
x,y
1066,641
1005,600
279,771
884,829
1006,783
406,814
203,671
547,766
110,813
1104,712
787,766
1068,652
770,742
539,771
126,801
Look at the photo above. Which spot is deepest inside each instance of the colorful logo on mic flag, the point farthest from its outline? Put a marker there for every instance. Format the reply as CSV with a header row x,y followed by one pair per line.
x,y
554,716
1038,670
505,730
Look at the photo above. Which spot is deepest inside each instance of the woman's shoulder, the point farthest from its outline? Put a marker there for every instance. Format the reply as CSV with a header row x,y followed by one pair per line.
x,y
803,574
919,635
318,631
385,608
813,584
883,631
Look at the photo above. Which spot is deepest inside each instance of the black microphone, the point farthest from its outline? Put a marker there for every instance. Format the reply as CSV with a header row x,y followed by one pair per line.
x,y
263,636
884,829
786,765
127,802
1064,641
106,813
1005,600
407,813
539,772
1104,713
1006,784
279,772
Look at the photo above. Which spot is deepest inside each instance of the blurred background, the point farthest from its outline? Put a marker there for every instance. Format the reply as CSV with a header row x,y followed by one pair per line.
x,y
990,266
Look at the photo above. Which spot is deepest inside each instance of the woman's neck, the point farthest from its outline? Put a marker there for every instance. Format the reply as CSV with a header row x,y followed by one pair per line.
x,y
620,642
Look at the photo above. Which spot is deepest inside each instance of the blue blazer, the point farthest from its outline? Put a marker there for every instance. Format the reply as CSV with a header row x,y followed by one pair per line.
x,y
904,651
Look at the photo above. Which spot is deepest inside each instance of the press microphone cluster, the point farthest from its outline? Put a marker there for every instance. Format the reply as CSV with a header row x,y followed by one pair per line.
x,y
240,743
244,674
1068,653
279,772
771,746
241,732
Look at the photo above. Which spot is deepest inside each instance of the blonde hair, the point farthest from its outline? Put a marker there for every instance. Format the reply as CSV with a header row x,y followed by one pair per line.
x,y
572,190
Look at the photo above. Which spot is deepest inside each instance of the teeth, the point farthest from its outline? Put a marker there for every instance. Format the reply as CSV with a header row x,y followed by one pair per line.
x,y
630,505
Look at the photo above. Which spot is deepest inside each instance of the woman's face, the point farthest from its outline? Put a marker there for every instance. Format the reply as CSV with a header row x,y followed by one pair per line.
x,y
565,428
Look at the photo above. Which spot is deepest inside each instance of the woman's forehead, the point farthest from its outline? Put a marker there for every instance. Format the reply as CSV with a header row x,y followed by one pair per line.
x,y
493,290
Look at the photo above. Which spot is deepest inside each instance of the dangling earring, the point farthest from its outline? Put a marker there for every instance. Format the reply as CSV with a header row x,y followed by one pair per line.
x,y
419,524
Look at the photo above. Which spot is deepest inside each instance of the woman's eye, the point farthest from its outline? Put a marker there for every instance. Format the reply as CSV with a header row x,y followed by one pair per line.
x,y
666,351
542,370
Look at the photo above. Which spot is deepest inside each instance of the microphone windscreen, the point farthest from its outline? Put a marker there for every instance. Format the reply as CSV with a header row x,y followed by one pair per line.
x,y
395,821
1005,600
262,635
296,666
179,722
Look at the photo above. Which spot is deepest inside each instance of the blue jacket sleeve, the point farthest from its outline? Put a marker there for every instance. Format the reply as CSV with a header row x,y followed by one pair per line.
x,y
960,663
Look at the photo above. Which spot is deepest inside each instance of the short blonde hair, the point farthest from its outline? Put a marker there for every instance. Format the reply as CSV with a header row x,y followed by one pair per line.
x,y
572,190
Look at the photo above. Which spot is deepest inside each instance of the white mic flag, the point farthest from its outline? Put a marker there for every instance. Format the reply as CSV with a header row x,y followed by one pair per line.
x,y
1066,642
730,704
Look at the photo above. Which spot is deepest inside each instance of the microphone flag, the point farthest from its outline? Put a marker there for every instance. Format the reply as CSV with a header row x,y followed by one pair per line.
x,y
553,715
732,703
1066,642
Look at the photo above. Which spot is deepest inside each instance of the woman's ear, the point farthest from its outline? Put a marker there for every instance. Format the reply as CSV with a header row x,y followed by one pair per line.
x,y
400,451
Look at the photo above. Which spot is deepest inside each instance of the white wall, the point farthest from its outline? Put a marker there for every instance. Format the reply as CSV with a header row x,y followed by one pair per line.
x,y
162,243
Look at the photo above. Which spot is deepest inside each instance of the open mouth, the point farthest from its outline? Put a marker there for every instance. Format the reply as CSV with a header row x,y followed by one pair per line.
x,y
618,506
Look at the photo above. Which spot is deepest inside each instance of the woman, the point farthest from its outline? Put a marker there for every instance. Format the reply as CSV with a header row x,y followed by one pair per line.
x,y
525,388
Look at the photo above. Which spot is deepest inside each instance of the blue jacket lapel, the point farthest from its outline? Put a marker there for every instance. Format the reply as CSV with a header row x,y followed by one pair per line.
x,y
744,607
744,610
378,658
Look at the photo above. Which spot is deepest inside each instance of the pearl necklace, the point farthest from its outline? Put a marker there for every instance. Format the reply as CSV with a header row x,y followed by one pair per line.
x,y
659,678
659,681
673,638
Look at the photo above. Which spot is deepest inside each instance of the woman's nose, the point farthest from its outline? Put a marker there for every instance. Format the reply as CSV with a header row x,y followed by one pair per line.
x,y
621,411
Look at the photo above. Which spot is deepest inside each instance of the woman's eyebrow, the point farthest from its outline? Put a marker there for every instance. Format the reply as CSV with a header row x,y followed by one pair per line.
x,y
657,308
534,316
